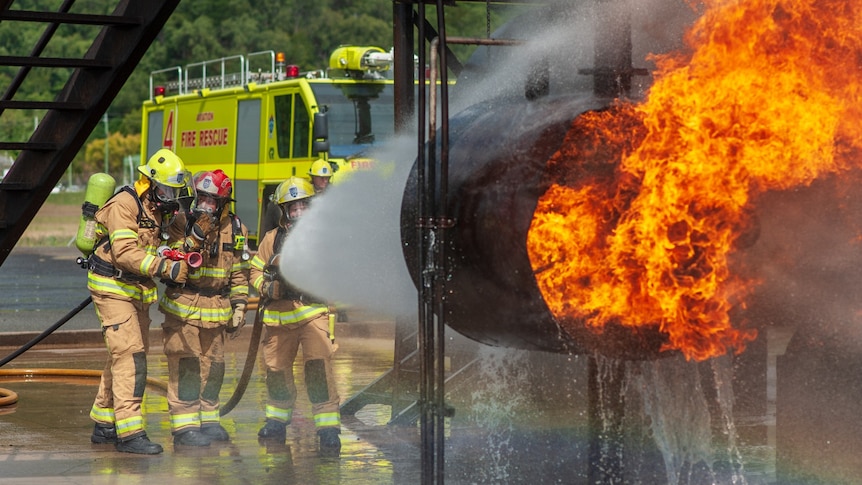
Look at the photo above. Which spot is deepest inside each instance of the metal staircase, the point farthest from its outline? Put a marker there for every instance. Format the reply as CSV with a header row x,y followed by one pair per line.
x,y
93,82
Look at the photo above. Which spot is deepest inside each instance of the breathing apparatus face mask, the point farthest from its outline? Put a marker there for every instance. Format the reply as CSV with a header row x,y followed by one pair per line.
x,y
167,194
292,211
207,204
166,198
295,209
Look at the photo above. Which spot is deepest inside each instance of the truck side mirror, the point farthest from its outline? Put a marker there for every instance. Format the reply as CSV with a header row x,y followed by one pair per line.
x,y
320,134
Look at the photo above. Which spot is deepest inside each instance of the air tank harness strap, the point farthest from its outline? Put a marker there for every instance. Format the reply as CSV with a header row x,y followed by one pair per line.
x,y
103,268
224,291
89,209
238,237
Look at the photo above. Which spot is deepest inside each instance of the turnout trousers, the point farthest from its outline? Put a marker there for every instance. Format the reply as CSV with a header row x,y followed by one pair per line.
x,y
280,347
195,373
121,388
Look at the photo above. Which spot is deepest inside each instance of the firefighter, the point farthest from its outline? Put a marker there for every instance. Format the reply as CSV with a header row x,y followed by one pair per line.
x,y
199,312
120,279
321,175
294,319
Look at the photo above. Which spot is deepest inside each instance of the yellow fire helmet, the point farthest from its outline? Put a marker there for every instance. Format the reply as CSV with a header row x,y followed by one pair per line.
x,y
320,168
167,173
293,189
166,168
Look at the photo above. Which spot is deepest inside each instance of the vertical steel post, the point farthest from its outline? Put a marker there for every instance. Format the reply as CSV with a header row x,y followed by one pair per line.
x,y
425,179
433,223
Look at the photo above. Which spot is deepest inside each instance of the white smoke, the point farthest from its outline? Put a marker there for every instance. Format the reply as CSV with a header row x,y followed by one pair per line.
x,y
347,246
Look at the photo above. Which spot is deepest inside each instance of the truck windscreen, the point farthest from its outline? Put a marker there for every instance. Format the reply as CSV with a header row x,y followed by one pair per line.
x,y
359,115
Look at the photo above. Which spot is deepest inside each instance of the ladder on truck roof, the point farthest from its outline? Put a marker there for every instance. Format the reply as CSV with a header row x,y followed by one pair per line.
x,y
220,73
224,72
120,40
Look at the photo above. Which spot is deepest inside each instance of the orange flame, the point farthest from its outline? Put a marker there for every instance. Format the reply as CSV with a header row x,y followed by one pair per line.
x,y
650,199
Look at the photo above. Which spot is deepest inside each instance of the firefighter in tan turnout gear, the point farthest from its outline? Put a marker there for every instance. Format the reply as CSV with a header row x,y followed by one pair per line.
x,y
120,279
294,319
199,312
320,174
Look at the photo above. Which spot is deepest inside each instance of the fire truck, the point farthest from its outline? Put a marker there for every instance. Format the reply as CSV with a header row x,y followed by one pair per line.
x,y
262,120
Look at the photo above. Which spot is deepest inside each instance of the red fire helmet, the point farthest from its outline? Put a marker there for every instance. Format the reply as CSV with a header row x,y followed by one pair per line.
x,y
214,183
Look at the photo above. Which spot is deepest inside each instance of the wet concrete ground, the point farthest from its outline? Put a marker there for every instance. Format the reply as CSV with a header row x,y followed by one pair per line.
x,y
520,417
508,427
44,438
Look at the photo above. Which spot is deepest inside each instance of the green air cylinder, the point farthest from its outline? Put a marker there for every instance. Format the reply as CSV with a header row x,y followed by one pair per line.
x,y
100,188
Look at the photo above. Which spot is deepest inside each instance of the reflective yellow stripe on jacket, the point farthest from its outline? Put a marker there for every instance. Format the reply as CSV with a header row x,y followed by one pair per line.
x,y
242,265
109,284
274,317
258,263
187,312
239,290
207,272
149,260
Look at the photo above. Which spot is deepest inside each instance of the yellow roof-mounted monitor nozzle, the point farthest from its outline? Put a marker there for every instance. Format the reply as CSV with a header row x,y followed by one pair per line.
x,y
359,62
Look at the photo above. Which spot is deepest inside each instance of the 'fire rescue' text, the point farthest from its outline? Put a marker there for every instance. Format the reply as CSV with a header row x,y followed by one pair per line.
x,y
204,138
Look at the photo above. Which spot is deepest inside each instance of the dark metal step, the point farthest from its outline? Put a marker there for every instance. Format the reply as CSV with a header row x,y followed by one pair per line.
x,y
69,18
57,105
93,80
44,147
55,62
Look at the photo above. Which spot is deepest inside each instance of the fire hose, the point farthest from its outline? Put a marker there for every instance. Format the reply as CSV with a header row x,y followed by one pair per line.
x,y
47,332
9,397
250,357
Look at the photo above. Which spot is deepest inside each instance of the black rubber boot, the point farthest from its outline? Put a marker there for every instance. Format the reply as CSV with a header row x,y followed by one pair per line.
x,y
191,437
215,432
275,430
104,433
139,444
329,441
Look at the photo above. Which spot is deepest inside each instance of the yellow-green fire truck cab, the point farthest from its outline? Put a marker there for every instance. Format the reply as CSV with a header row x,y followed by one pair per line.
x,y
262,121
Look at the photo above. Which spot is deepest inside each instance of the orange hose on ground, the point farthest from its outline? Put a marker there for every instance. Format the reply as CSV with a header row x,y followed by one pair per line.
x,y
7,395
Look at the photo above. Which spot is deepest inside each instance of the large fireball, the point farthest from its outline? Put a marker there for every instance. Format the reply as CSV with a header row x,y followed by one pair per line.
x,y
651,199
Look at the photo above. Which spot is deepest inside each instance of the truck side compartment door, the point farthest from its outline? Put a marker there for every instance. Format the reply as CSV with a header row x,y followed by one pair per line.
x,y
248,153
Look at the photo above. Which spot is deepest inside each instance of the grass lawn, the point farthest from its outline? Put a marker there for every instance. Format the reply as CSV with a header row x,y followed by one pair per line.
x,y
56,223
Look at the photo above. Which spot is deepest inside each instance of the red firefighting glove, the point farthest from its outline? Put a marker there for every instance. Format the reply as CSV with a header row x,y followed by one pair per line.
x,y
234,326
176,271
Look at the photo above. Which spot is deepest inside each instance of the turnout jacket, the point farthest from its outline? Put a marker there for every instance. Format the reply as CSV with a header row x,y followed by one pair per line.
x,y
206,300
125,261
291,309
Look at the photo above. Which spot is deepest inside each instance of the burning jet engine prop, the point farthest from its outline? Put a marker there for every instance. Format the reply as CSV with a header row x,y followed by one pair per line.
x,y
498,170
586,225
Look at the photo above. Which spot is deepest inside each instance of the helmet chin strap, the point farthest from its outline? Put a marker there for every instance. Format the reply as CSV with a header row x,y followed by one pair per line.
x,y
219,211
284,220
162,206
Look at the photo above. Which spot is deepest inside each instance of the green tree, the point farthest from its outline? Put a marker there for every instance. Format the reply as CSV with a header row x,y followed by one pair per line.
x,y
119,147
307,31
